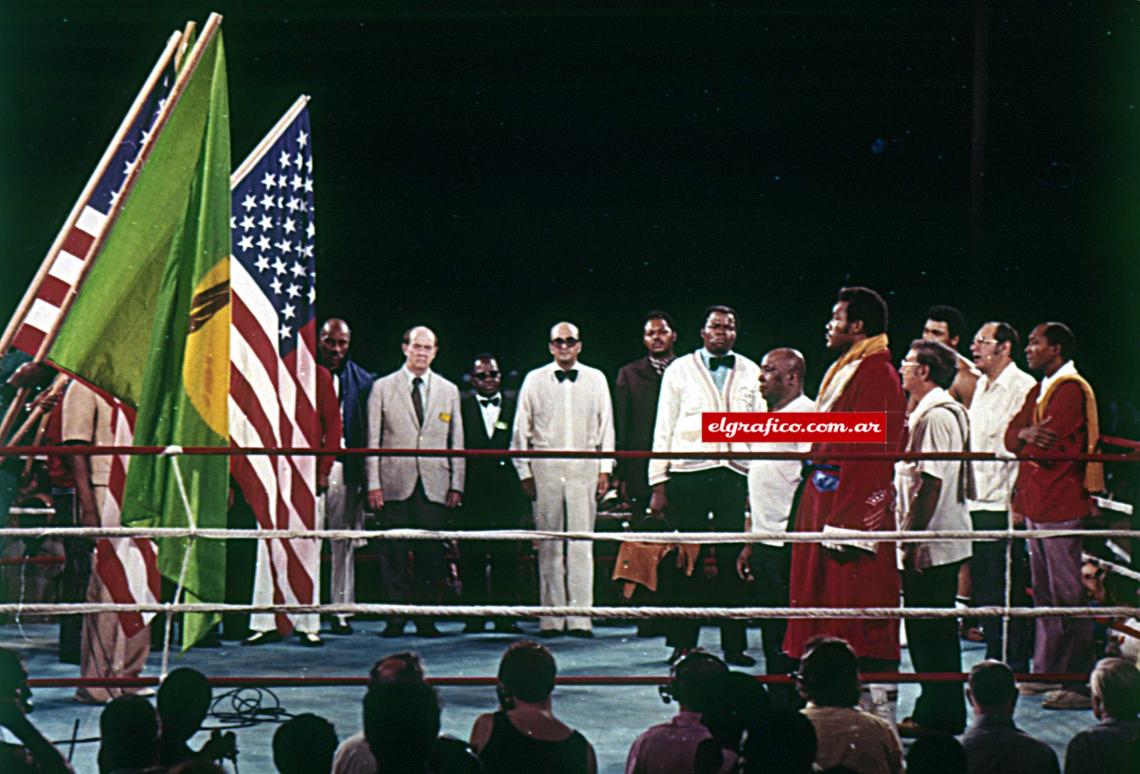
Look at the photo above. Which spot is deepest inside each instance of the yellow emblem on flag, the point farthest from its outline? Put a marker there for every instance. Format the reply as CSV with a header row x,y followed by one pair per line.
x,y
206,368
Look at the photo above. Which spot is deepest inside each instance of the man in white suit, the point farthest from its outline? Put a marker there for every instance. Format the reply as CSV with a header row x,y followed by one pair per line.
x,y
414,408
565,405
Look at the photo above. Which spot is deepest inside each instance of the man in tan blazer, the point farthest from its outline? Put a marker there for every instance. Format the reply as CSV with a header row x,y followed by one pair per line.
x,y
414,408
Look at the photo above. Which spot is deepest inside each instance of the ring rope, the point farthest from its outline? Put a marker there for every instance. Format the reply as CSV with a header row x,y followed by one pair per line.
x,y
522,534
621,613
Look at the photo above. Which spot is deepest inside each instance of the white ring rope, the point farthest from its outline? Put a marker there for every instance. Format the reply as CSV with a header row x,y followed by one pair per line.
x,y
944,536
535,611
1112,567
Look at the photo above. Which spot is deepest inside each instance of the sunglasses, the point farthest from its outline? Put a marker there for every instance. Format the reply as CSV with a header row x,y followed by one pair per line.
x,y
564,342
485,375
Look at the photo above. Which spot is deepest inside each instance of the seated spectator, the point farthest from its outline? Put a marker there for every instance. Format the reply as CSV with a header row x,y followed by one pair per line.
x,y
34,753
1107,746
783,742
993,744
183,700
828,678
671,747
128,737
738,703
401,724
936,753
524,735
353,755
304,744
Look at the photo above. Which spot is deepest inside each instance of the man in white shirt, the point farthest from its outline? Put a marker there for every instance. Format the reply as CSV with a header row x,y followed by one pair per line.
x,y
564,405
999,394
932,496
686,491
772,486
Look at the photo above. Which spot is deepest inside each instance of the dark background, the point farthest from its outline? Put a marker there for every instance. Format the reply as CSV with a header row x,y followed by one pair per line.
x,y
490,169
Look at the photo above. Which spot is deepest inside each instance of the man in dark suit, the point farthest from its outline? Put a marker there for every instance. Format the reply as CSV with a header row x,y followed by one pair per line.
x,y
492,499
635,398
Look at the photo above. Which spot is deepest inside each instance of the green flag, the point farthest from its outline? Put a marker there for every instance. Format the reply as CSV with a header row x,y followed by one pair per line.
x,y
164,270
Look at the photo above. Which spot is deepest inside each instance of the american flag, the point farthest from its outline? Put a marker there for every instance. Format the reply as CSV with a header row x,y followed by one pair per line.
x,y
128,567
273,368
74,246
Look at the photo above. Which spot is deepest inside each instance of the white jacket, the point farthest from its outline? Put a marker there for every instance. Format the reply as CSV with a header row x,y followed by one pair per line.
x,y
688,390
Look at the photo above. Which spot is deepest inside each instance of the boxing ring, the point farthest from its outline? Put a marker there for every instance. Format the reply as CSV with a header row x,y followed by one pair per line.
x,y
610,677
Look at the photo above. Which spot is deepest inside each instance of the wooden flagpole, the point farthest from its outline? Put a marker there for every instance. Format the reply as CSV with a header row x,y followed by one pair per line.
x,y
21,312
267,141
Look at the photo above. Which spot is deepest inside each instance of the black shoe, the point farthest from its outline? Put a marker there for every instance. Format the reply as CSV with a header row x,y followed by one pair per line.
x,y
473,628
340,627
549,634
677,654
310,640
505,628
739,659
393,630
429,631
583,634
262,638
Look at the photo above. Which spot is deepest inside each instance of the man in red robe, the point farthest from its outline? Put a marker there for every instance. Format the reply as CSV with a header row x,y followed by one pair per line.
x,y
846,497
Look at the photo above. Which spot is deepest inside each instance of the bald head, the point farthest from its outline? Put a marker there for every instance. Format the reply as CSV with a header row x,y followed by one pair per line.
x,y
419,349
333,343
565,344
781,377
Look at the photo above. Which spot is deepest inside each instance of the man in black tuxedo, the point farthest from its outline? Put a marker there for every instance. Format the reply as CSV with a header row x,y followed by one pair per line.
x,y
635,397
492,499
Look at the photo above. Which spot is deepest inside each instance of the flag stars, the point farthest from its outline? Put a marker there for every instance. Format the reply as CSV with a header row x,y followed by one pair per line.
x,y
284,161
289,311
293,291
312,294
276,285
285,332
309,165
296,182
249,202
284,247
266,223
245,243
308,185
310,230
262,263
299,160
233,223
247,223
290,225
269,181
298,269
292,205
307,251
280,266
268,201
303,139
263,242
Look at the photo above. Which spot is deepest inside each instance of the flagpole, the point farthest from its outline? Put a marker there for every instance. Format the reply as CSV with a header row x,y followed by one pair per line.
x,y
18,317
267,141
187,33
172,100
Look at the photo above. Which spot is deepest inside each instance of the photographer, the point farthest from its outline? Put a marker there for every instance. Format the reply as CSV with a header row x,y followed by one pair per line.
x,y
184,700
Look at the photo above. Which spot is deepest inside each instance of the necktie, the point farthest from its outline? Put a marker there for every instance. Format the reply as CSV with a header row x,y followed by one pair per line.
x,y
562,376
728,361
418,399
489,402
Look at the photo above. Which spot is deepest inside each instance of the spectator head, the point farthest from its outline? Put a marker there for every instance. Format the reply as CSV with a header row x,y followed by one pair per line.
x,y
940,361
944,324
304,743
936,753
526,672
866,306
14,680
128,731
992,689
783,741
690,682
403,667
401,723
183,700
737,702
659,334
1115,684
1050,346
828,675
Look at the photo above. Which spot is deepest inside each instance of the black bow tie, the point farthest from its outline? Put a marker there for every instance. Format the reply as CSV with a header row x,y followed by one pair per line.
x,y
489,401
728,361
562,376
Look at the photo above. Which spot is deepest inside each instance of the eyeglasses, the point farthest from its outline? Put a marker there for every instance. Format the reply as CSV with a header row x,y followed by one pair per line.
x,y
485,375
564,342
980,340
908,363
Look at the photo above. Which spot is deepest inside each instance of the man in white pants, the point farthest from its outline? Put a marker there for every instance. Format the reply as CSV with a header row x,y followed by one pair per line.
x,y
565,405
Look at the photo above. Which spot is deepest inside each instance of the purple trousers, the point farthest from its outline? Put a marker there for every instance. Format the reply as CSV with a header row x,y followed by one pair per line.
x,y
1061,644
